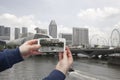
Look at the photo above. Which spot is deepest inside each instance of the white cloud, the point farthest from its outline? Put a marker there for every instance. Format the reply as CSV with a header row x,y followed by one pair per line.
x,y
63,29
10,20
100,21
98,13
29,21
15,21
100,17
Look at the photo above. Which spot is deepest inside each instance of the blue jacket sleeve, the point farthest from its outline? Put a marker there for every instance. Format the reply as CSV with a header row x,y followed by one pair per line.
x,y
9,57
55,75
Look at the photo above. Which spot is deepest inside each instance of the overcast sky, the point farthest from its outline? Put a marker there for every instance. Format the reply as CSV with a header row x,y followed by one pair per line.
x,y
100,16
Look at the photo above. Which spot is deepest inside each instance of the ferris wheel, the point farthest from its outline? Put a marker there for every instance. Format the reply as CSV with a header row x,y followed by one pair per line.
x,y
115,38
97,39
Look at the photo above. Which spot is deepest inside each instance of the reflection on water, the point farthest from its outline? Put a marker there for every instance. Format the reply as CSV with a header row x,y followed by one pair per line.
x,y
37,67
82,76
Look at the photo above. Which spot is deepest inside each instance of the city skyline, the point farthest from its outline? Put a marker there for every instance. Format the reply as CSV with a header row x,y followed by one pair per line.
x,y
94,40
8,33
100,16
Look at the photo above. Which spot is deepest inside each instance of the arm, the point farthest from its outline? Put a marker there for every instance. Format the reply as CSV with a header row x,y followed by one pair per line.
x,y
65,62
55,75
9,57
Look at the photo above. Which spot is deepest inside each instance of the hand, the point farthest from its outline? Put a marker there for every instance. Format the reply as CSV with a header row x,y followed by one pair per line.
x,y
29,48
65,61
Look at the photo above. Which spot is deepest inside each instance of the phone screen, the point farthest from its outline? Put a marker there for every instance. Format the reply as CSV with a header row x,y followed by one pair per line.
x,y
52,45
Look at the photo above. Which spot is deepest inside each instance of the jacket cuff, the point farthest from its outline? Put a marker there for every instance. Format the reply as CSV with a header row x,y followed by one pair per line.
x,y
55,75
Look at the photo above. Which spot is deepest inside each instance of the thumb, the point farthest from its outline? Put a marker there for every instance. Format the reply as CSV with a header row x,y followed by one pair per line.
x,y
60,56
65,55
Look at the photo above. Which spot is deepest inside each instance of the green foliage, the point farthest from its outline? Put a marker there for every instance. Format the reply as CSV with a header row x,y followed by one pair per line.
x,y
1,47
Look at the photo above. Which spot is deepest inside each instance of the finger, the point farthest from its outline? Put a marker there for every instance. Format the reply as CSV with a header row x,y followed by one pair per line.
x,y
34,47
68,52
35,53
34,41
60,56
65,54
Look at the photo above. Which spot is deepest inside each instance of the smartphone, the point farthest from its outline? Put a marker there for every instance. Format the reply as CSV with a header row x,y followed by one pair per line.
x,y
52,44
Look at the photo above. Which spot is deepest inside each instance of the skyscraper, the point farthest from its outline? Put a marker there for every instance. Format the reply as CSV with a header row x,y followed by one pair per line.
x,y
17,33
80,37
53,29
4,33
1,30
24,30
7,31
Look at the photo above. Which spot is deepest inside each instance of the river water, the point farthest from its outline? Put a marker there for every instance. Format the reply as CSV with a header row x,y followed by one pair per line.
x,y
38,67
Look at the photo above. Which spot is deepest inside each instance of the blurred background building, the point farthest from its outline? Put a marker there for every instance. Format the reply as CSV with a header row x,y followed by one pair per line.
x,y
17,33
80,37
42,31
24,30
53,29
68,38
4,33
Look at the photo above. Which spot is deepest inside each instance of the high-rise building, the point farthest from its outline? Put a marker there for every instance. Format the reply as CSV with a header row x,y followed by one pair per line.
x,y
4,33
24,30
80,37
53,29
68,38
1,30
7,31
17,33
